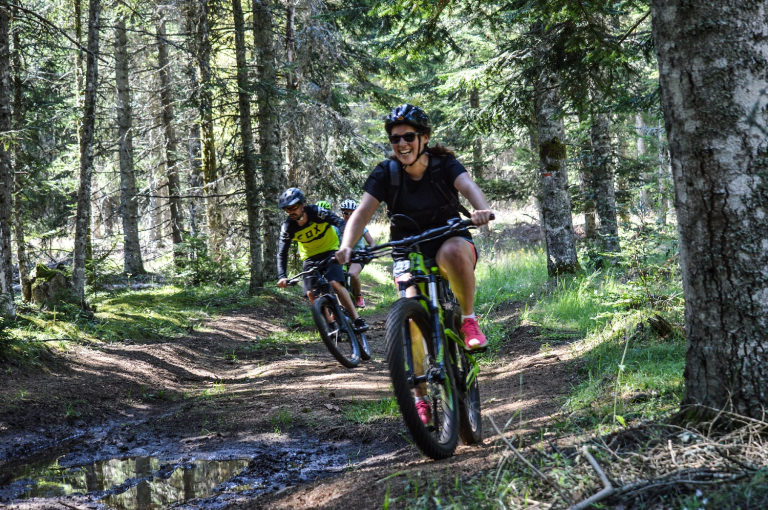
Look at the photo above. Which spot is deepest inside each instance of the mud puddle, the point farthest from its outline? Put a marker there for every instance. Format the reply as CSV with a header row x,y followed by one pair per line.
x,y
209,478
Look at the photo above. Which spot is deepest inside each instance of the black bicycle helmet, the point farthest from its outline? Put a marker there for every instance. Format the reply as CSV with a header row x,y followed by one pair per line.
x,y
408,114
290,197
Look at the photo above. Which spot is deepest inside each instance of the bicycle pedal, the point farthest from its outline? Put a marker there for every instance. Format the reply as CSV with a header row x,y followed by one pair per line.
x,y
479,350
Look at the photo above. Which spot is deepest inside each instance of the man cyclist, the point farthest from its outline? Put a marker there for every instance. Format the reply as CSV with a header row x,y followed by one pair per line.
x,y
347,207
312,228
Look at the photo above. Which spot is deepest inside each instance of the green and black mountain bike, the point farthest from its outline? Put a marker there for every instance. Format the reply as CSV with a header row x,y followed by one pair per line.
x,y
425,352
333,321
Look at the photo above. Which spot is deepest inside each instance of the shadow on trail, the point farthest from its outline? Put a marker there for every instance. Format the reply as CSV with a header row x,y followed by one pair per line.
x,y
298,426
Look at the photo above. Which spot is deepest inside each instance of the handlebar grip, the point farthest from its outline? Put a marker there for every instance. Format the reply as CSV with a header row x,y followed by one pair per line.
x,y
493,216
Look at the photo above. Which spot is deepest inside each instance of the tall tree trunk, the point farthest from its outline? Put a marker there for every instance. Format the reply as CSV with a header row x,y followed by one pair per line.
x,y
19,183
663,182
292,131
171,143
553,179
87,126
7,308
588,191
194,145
477,143
712,78
269,132
79,101
210,170
249,153
646,204
129,207
602,175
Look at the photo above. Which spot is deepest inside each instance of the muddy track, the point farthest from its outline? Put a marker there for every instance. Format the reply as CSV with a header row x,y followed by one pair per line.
x,y
217,420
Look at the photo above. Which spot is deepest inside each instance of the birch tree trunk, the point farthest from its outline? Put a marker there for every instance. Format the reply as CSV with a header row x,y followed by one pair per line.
x,y
553,179
171,142
129,208
87,126
713,91
249,153
602,175
7,308
18,174
269,132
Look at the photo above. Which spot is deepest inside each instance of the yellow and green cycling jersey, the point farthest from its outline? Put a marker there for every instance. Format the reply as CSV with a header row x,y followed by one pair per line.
x,y
316,236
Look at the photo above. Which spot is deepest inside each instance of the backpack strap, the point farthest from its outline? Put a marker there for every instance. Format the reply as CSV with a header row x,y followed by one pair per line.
x,y
437,176
437,164
394,184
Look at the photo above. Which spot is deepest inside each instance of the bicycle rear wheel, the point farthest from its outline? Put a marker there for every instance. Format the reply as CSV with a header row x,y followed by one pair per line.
x,y
408,330
336,331
471,426
365,349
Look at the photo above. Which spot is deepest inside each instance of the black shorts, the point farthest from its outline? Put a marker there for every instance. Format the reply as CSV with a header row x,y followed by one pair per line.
x,y
402,265
334,272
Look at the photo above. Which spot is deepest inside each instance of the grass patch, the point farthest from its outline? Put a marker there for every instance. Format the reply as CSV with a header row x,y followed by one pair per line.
x,y
143,315
363,411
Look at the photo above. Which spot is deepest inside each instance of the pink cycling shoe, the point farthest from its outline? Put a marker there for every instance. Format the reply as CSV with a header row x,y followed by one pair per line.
x,y
474,339
424,412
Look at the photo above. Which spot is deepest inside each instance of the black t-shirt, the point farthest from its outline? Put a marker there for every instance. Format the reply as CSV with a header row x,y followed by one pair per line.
x,y
420,200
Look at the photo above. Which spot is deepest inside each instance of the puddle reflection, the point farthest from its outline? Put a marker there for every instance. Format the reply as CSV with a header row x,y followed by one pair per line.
x,y
138,483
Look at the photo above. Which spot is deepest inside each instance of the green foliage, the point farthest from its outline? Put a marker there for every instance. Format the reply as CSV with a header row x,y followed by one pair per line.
x,y
504,190
199,267
281,421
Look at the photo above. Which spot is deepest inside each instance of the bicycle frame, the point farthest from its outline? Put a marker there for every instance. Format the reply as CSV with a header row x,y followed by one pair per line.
x,y
427,282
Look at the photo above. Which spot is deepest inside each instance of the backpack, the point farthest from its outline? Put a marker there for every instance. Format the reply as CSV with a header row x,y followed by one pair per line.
x,y
436,166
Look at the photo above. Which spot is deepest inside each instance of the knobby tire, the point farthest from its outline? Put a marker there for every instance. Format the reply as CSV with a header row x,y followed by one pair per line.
x,y
338,336
439,439
471,424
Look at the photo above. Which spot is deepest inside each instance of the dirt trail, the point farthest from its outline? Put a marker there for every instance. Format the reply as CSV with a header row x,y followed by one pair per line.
x,y
218,395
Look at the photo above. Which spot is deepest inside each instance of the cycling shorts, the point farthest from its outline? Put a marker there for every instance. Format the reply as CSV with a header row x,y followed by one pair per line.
x,y
333,273
403,266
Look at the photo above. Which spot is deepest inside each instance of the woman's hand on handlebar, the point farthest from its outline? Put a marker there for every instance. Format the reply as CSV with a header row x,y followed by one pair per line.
x,y
482,217
343,255
282,283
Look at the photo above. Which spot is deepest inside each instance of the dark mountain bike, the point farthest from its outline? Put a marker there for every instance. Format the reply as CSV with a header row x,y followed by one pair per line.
x,y
426,353
333,321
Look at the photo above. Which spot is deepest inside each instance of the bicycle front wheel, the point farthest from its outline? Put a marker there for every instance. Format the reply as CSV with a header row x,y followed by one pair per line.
x,y
434,426
336,331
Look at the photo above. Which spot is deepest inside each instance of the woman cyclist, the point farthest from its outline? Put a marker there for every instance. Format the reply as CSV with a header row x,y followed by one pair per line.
x,y
430,179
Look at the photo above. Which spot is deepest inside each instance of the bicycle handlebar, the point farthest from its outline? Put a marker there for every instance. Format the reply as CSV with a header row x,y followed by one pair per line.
x,y
367,254
318,266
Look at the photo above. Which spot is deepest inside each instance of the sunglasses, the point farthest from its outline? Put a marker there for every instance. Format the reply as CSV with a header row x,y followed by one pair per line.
x,y
408,137
291,208
345,212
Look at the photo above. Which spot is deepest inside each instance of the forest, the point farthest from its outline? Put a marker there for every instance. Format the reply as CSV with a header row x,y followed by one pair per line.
x,y
149,359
